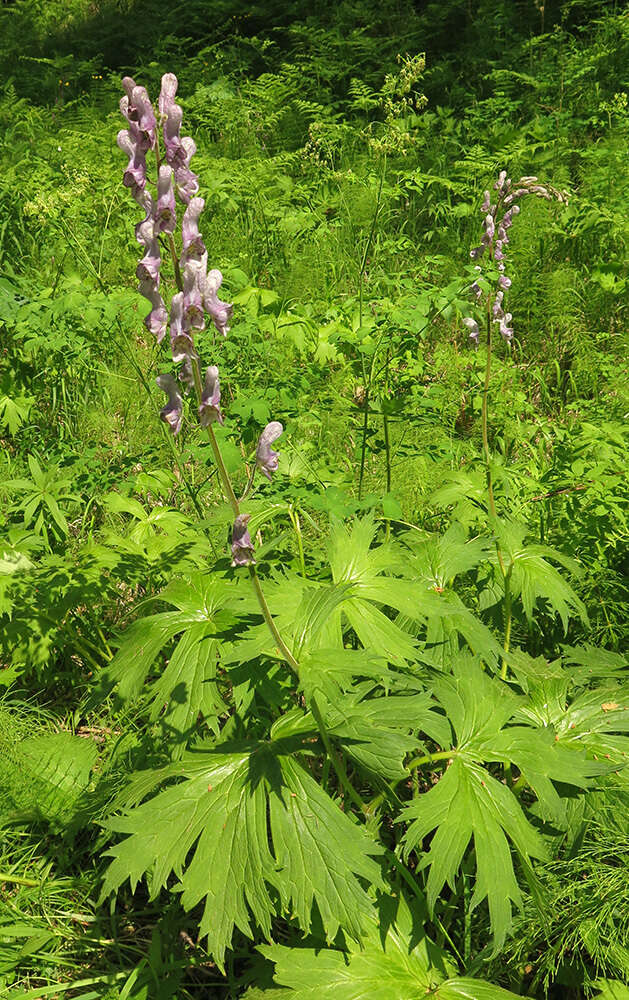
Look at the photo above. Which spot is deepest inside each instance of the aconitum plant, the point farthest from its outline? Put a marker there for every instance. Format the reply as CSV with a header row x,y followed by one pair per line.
x,y
156,189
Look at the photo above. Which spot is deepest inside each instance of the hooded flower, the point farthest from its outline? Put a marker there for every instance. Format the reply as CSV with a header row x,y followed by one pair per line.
x,y
148,267
172,412
193,245
157,320
134,176
186,182
243,552
193,285
267,460
506,332
220,312
210,407
138,110
181,343
472,326
166,213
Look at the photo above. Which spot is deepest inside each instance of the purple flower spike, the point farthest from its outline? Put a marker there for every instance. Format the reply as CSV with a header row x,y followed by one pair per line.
x,y
193,245
157,320
172,413
472,326
166,216
268,460
134,176
181,343
220,312
243,552
210,407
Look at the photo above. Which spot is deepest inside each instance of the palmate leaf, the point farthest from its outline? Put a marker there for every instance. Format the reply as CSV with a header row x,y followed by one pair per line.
x,y
187,686
469,803
243,825
533,578
401,964
370,572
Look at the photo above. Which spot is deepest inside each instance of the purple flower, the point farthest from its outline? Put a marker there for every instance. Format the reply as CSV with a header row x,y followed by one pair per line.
x,y
488,235
166,215
148,267
138,110
267,460
134,176
504,282
186,182
475,287
486,203
477,252
193,245
181,343
498,254
193,285
220,312
500,183
210,407
243,552
472,326
157,320
167,93
172,413
505,330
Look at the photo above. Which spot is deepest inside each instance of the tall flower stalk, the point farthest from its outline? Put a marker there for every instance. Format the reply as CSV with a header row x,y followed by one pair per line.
x,y
195,298
499,213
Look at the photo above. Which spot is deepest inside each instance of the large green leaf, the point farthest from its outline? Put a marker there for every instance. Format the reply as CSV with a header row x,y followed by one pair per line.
x,y
469,803
240,824
394,962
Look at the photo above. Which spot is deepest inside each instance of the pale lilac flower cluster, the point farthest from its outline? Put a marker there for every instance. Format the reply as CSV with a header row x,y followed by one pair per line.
x,y
198,288
174,177
498,219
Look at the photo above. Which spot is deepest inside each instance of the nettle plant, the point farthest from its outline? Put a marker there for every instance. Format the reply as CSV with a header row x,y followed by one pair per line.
x,y
347,760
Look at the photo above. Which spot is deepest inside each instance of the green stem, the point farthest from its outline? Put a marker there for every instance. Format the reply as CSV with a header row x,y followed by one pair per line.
x,y
508,619
490,487
287,655
430,758
18,880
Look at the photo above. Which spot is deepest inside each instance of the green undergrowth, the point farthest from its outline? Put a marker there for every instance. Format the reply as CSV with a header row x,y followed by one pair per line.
x,y
452,659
